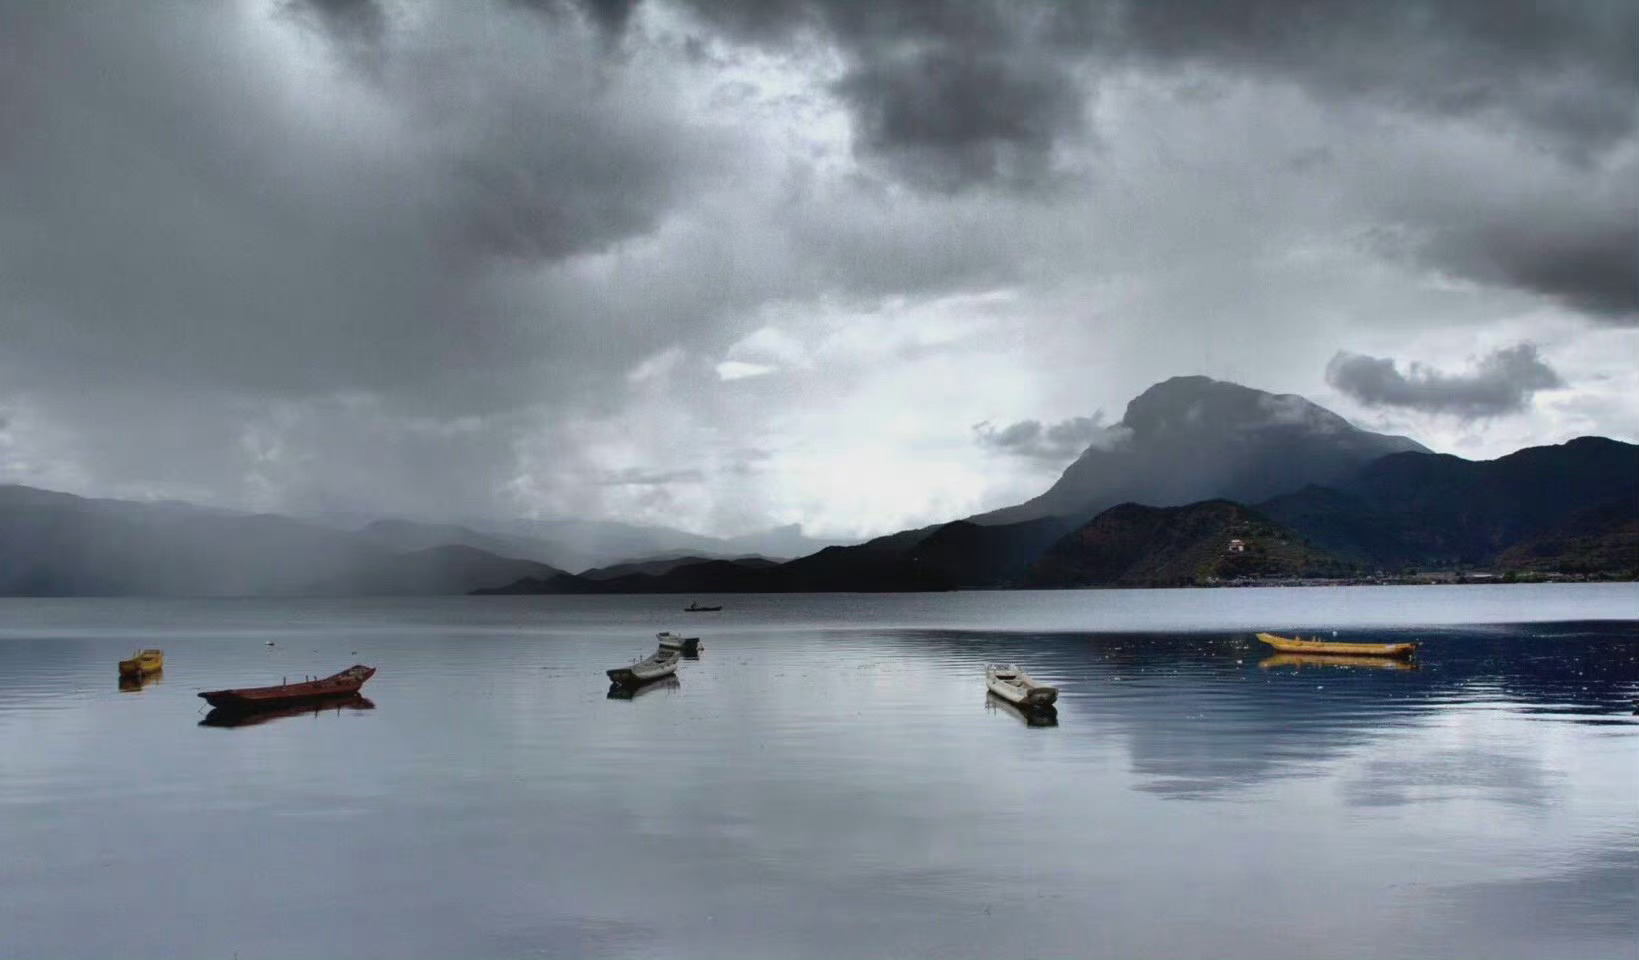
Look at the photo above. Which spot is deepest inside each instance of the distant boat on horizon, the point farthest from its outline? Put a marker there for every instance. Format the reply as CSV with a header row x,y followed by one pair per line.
x,y
697,608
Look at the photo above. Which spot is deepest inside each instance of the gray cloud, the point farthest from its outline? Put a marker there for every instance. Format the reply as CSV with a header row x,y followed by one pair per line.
x,y
1053,444
982,90
639,477
412,256
1502,382
1589,262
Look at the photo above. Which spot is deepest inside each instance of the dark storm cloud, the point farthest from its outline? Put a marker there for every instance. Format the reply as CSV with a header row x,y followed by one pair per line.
x,y
1503,382
1562,70
1054,444
964,92
171,215
946,118
610,16
1591,263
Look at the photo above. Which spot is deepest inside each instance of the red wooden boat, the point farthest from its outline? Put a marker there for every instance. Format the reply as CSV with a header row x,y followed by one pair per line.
x,y
250,716
254,698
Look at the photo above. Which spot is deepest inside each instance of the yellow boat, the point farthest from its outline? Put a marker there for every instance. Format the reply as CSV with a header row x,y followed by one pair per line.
x,y
1299,645
143,662
1301,660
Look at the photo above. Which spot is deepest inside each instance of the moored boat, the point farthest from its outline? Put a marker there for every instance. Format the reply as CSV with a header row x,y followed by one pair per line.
x,y
1299,645
248,717
673,641
253,698
143,662
697,608
1301,660
623,691
1015,686
1042,716
133,682
661,663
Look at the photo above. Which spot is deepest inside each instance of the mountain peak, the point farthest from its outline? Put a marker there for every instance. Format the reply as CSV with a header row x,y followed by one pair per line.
x,y
1195,438
1196,403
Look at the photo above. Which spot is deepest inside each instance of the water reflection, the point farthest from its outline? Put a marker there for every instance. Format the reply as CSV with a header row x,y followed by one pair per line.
x,y
1205,714
621,691
134,682
1301,660
1038,716
227,717
835,772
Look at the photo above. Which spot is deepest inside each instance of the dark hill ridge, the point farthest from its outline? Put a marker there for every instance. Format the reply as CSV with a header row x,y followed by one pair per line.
x,y
1602,539
655,566
1436,510
1190,439
1134,545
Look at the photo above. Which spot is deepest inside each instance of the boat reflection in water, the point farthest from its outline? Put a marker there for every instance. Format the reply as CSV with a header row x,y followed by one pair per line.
x,y
134,682
1301,660
1037,716
623,691
241,717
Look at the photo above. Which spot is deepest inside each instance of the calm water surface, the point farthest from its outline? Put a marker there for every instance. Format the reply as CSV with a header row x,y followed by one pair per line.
x,y
830,779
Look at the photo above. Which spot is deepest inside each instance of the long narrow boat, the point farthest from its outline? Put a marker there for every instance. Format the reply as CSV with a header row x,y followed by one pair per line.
x,y
143,662
1298,645
1301,660
697,608
256,698
672,641
661,663
227,717
625,691
1015,686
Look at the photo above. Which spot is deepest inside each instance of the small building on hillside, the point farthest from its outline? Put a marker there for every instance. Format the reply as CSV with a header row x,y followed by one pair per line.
x,y
1237,546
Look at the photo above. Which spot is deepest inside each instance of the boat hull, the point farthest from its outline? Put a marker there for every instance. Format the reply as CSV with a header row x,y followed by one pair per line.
x,y
260,698
621,691
227,717
1300,660
671,641
1033,716
646,671
1027,694
1293,645
146,662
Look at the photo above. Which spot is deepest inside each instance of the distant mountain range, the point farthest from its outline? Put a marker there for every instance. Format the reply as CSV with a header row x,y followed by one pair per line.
x,y
57,544
1196,464
1201,481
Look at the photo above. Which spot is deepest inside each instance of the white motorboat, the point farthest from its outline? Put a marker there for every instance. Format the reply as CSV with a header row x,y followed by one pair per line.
x,y
1015,686
661,663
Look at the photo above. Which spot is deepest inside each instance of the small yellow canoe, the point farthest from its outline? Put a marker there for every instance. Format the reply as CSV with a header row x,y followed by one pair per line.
x,y
144,661
1298,645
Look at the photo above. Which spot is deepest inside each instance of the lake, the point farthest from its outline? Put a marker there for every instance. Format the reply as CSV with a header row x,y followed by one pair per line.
x,y
830,778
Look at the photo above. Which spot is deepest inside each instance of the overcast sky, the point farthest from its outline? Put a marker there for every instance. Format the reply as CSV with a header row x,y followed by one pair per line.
x,y
724,264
